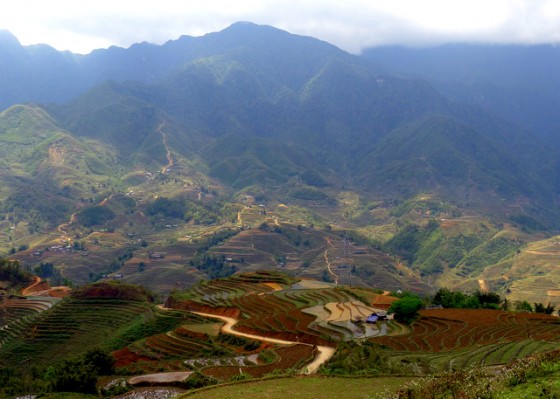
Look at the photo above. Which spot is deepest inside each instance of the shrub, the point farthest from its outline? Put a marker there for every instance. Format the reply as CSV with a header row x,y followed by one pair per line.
x,y
79,375
406,309
198,380
459,300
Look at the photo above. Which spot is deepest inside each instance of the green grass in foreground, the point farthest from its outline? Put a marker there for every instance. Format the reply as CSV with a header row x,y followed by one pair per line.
x,y
67,395
305,388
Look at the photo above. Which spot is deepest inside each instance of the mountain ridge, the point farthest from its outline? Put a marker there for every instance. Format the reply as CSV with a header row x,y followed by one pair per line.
x,y
267,135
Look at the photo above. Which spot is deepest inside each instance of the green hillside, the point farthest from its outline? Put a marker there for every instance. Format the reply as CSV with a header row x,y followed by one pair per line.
x,y
379,177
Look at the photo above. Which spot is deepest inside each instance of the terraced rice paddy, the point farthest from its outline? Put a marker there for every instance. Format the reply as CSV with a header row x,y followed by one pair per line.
x,y
457,338
179,343
17,313
70,327
288,357
343,315
319,314
448,329
300,311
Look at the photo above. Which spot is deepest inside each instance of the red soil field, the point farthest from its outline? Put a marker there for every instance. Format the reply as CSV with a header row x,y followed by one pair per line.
x,y
383,301
124,357
197,307
445,329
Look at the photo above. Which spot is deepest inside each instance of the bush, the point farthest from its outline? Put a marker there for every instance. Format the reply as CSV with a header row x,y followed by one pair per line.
x,y
80,375
459,300
198,380
12,271
406,309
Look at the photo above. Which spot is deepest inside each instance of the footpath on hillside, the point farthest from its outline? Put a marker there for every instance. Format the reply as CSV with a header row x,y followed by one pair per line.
x,y
324,353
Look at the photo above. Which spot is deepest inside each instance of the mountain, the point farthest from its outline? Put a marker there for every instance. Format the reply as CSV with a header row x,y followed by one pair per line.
x,y
43,167
263,108
518,83
269,149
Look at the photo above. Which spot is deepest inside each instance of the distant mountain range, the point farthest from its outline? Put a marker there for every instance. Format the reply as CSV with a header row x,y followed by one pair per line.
x,y
254,106
518,83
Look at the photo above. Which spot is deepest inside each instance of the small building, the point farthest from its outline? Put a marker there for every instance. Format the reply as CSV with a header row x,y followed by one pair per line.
x,y
375,316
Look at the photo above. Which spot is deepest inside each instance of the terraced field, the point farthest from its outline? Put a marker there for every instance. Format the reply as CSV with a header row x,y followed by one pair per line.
x,y
275,306
321,314
17,313
288,357
440,330
73,326
457,338
304,316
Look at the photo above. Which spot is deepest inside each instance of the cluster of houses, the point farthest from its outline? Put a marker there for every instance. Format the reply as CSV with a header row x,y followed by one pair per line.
x,y
60,248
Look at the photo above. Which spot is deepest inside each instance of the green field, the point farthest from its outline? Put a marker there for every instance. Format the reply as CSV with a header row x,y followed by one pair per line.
x,y
304,388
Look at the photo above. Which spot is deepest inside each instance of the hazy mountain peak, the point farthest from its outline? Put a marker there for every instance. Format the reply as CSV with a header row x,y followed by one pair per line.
x,y
7,39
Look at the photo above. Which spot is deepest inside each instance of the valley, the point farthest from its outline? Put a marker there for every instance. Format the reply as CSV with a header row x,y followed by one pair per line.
x,y
251,203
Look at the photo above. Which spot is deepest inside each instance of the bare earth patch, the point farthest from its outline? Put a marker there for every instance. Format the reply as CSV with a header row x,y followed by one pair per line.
x,y
312,284
176,376
205,328
274,286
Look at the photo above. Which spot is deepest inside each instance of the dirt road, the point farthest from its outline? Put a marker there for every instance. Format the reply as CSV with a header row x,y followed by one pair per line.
x,y
170,162
324,352
29,289
335,276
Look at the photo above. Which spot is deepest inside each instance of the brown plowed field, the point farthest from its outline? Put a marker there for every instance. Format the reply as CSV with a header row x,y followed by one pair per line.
x,y
446,329
124,357
197,307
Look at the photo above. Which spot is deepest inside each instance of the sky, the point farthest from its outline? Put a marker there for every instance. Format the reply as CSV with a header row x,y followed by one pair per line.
x,y
81,26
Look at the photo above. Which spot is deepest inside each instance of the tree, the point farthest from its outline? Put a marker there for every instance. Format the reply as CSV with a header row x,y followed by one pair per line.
x,y
444,297
406,309
540,308
523,306
80,375
100,361
456,299
488,299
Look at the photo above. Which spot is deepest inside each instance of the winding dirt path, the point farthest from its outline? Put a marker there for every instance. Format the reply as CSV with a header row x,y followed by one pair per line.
x,y
335,276
29,289
105,200
170,162
62,228
324,352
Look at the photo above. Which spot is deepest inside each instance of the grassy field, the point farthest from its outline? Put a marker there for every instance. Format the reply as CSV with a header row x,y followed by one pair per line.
x,y
304,388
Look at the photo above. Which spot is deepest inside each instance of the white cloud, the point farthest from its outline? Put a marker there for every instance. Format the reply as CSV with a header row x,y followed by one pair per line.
x,y
351,25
